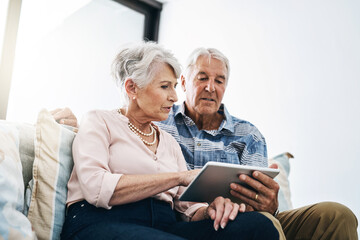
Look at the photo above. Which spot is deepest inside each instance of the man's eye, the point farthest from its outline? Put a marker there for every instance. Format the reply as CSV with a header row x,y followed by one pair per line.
x,y
203,79
164,86
219,81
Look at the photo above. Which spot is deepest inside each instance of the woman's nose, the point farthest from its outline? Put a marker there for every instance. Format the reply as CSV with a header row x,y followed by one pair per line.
x,y
173,97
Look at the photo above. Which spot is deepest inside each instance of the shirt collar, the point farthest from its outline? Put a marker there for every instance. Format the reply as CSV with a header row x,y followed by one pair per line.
x,y
227,123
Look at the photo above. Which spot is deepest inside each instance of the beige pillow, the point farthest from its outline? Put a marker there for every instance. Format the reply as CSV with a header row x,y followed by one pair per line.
x,y
51,171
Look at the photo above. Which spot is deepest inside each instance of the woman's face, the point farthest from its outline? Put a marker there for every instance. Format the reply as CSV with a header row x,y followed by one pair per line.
x,y
157,98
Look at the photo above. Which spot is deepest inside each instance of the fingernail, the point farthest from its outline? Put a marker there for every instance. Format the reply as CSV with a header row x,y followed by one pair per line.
x,y
242,177
223,225
256,174
216,227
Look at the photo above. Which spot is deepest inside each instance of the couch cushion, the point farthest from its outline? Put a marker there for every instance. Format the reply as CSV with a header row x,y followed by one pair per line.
x,y
26,146
14,225
51,171
284,196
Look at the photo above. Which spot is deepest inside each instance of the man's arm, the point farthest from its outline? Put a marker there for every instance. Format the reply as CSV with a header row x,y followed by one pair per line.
x,y
65,116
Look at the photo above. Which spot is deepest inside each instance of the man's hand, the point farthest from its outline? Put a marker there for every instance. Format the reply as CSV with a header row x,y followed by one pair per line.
x,y
263,197
65,116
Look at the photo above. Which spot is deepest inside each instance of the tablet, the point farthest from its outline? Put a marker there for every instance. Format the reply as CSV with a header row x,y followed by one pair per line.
x,y
215,178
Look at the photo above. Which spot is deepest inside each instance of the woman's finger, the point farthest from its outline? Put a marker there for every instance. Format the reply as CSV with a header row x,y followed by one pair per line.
x,y
228,207
235,210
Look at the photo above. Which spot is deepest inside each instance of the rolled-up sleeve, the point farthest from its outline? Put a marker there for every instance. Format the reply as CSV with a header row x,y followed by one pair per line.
x,y
187,209
91,161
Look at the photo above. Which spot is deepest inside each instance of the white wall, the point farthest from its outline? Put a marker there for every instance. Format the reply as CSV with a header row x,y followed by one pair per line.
x,y
295,74
65,60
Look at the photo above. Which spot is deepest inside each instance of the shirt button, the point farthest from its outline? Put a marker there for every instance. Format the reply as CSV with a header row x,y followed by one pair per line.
x,y
199,144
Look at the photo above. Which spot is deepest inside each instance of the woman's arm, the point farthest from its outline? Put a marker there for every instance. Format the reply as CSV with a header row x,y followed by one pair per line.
x,y
131,188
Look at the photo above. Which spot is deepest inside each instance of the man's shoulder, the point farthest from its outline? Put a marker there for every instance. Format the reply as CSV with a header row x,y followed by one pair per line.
x,y
243,127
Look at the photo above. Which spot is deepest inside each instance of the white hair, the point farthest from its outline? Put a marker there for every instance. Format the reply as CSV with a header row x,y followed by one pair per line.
x,y
211,53
139,62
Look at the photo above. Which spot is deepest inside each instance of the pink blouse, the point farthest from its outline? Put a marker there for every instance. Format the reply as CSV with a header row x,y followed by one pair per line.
x,y
105,148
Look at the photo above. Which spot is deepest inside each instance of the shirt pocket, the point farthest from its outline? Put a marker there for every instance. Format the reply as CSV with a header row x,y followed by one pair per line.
x,y
227,157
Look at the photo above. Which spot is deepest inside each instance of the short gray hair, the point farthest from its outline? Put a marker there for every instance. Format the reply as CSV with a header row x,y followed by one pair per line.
x,y
139,62
210,52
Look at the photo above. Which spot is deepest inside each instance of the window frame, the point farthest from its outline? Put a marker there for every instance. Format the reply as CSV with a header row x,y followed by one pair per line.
x,y
151,9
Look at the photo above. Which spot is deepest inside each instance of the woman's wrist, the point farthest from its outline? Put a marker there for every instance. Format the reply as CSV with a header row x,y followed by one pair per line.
x,y
205,213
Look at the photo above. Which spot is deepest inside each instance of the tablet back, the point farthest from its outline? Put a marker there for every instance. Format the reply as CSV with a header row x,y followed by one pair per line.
x,y
215,178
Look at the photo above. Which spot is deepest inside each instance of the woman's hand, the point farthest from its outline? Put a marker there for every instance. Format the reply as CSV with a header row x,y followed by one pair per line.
x,y
221,210
188,176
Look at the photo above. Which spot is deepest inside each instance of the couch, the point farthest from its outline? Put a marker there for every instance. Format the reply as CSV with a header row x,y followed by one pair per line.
x,y
35,165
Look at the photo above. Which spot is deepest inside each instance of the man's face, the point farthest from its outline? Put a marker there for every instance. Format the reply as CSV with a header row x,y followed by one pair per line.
x,y
204,86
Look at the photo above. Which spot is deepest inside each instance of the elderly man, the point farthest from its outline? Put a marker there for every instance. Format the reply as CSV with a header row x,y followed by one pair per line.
x,y
207,132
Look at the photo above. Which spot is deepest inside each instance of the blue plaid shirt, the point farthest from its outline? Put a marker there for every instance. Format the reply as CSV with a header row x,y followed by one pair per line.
x,y
236,141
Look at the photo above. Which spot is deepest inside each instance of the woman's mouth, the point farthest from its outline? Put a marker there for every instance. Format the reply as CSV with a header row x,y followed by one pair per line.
x,y
167,109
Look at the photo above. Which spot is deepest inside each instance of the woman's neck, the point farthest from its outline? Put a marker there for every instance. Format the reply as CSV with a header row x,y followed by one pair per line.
x,y
135,119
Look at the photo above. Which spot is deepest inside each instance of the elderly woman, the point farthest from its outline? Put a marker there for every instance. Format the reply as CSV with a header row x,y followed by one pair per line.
x,y
128,173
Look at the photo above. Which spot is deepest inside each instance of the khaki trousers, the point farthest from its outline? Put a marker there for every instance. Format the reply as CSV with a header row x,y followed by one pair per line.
x,y
326,220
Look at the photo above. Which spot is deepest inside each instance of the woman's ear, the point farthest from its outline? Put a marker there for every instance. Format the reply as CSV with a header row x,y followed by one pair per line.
x,y
183,83
130,88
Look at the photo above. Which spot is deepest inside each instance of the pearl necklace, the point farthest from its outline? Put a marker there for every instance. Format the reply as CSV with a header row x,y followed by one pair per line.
x,y
137,131
132,127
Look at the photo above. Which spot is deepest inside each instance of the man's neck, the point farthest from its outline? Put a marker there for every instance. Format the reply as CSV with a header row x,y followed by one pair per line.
x,y
205,122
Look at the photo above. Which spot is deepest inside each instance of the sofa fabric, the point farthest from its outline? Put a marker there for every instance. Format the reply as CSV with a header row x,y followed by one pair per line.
x,y
13,223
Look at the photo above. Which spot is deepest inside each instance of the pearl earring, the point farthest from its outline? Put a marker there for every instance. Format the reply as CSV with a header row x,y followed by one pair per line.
x,y
133,97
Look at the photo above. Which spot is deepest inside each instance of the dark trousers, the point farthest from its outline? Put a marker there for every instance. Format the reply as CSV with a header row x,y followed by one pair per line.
x,y
154,219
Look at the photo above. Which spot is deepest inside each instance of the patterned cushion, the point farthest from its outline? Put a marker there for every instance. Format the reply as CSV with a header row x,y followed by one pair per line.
x,y
51,171
14,225
284,196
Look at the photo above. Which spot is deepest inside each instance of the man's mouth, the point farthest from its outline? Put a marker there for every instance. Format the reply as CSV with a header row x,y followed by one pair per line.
x,y
208,99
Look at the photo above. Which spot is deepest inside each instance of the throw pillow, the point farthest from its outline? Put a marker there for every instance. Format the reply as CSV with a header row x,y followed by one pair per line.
x,y
51,171
284,196
14,225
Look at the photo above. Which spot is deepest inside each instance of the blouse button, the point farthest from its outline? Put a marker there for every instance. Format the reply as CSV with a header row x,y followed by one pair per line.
x,y
199,144
155,158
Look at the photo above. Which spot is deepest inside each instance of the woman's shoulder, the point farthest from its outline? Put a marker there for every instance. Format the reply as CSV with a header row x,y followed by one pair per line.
x,y
102,115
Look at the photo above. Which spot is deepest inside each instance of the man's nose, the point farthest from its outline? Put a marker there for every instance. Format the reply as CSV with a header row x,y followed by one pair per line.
x,y
210,86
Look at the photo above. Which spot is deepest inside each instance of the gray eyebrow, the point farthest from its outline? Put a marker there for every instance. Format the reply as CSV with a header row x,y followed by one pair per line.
x,y
219,76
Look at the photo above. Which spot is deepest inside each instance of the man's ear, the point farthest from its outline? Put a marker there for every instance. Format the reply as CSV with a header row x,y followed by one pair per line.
x,y
130,88
183,83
